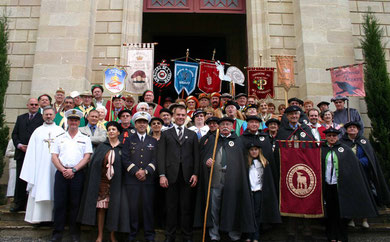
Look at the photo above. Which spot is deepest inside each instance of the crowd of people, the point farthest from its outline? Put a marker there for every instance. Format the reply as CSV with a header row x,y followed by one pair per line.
x,y
83,159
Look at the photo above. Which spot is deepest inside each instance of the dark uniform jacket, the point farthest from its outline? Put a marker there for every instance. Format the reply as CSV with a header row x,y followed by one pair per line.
x,y
23,130
173,153
379,182
139,155
355,199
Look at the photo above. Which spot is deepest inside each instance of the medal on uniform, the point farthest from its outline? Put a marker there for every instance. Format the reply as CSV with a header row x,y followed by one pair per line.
x,y
341,149
231,143
303,134
261,138
363,141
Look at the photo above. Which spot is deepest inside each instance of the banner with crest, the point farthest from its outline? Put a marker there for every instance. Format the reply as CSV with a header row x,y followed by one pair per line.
x,y
300,179
209,80
140,59
261,82
114,79
186,74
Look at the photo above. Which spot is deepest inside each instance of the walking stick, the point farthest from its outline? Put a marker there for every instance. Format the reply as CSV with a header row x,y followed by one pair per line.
x,y
209,187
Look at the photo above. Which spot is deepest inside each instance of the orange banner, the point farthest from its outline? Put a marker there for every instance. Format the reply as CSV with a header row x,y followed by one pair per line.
x,y
285,67
348,81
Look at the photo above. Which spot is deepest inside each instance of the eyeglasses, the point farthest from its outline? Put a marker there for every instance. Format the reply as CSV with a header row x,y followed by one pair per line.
x,y
332,135
33,104
156,123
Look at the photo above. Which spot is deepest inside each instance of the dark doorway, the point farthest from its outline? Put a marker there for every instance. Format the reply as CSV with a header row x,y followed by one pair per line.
x,y
201,34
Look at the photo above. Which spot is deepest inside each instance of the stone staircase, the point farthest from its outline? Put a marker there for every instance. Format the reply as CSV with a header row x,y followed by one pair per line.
x,y
13,228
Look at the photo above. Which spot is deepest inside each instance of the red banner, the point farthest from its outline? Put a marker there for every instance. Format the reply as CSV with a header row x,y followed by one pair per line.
x,y
209,81
285,66
348,81
300,180
261,82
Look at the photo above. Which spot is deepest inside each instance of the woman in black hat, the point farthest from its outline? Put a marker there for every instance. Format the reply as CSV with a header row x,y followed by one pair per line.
x,y
155,127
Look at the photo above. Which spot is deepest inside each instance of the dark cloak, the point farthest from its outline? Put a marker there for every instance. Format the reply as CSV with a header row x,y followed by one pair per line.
x,y
237,212
269,202
383,194
355,198
87,212
303,119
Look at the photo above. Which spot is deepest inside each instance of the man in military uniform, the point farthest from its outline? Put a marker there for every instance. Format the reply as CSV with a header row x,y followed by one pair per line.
x,y
139,159
71,152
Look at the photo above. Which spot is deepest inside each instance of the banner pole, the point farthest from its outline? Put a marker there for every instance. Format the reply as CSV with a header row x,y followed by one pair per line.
x,y
109,115
209,187
348,111
285,97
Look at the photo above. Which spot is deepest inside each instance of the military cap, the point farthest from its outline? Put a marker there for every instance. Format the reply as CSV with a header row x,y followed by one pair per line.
x,y
332,130
141,116
292,109
253,117
212,119
343,98
226,119
352,123
272,120
73,113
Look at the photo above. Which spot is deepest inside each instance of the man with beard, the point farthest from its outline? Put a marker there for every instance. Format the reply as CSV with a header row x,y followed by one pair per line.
x,y
24,127
372,169
293,130
60,118
230,199
346,191
38,170
215,100
178,168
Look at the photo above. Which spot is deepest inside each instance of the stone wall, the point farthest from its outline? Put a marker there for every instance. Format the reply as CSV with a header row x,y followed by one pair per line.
x,y
23,26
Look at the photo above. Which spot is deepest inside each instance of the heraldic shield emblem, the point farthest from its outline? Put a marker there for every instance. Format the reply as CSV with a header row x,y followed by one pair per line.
x,y
300,179
114,79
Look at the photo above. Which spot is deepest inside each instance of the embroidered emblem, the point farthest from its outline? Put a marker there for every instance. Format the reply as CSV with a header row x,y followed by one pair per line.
x,y
132,131
231,143
186,137
303,134
363,141
341,149
301,180
150,146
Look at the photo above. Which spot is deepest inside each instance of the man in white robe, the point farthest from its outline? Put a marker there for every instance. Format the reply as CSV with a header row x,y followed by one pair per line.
x,y
38,170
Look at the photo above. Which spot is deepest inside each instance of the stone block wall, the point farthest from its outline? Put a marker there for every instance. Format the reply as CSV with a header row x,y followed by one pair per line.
x,y
23,26
108,29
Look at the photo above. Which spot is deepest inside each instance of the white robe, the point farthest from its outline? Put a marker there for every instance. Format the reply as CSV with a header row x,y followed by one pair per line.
x,y
38,171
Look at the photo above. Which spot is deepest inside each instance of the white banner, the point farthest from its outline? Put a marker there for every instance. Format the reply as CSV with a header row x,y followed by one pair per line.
x,y
140,58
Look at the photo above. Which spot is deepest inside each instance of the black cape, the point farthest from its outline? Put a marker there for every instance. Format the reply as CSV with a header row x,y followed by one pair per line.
x,y
383,194
237,213
87,212
269,203
355,199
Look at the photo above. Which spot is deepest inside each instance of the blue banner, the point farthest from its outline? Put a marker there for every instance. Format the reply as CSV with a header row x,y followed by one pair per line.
x,y
114,79
186,74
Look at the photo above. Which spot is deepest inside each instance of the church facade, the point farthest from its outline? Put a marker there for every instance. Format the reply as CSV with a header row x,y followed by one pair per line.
x,y
61,43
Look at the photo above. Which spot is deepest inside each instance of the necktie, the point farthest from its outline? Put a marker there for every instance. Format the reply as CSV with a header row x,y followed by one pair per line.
x,y
199,134
30,117
180,132
142,139
93,130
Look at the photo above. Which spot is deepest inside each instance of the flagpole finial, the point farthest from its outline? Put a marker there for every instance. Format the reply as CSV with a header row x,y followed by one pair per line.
x,y
187,54
214,51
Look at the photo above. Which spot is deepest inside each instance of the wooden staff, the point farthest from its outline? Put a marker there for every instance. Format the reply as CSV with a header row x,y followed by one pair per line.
x,y
109,115
209,187
286,97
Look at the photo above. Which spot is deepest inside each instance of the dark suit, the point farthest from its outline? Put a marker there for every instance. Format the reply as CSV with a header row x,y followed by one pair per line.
x,y
140,155
178,160
21,135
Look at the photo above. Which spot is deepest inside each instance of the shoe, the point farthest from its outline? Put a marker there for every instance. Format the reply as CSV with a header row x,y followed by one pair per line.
x,y
365,224
351,223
